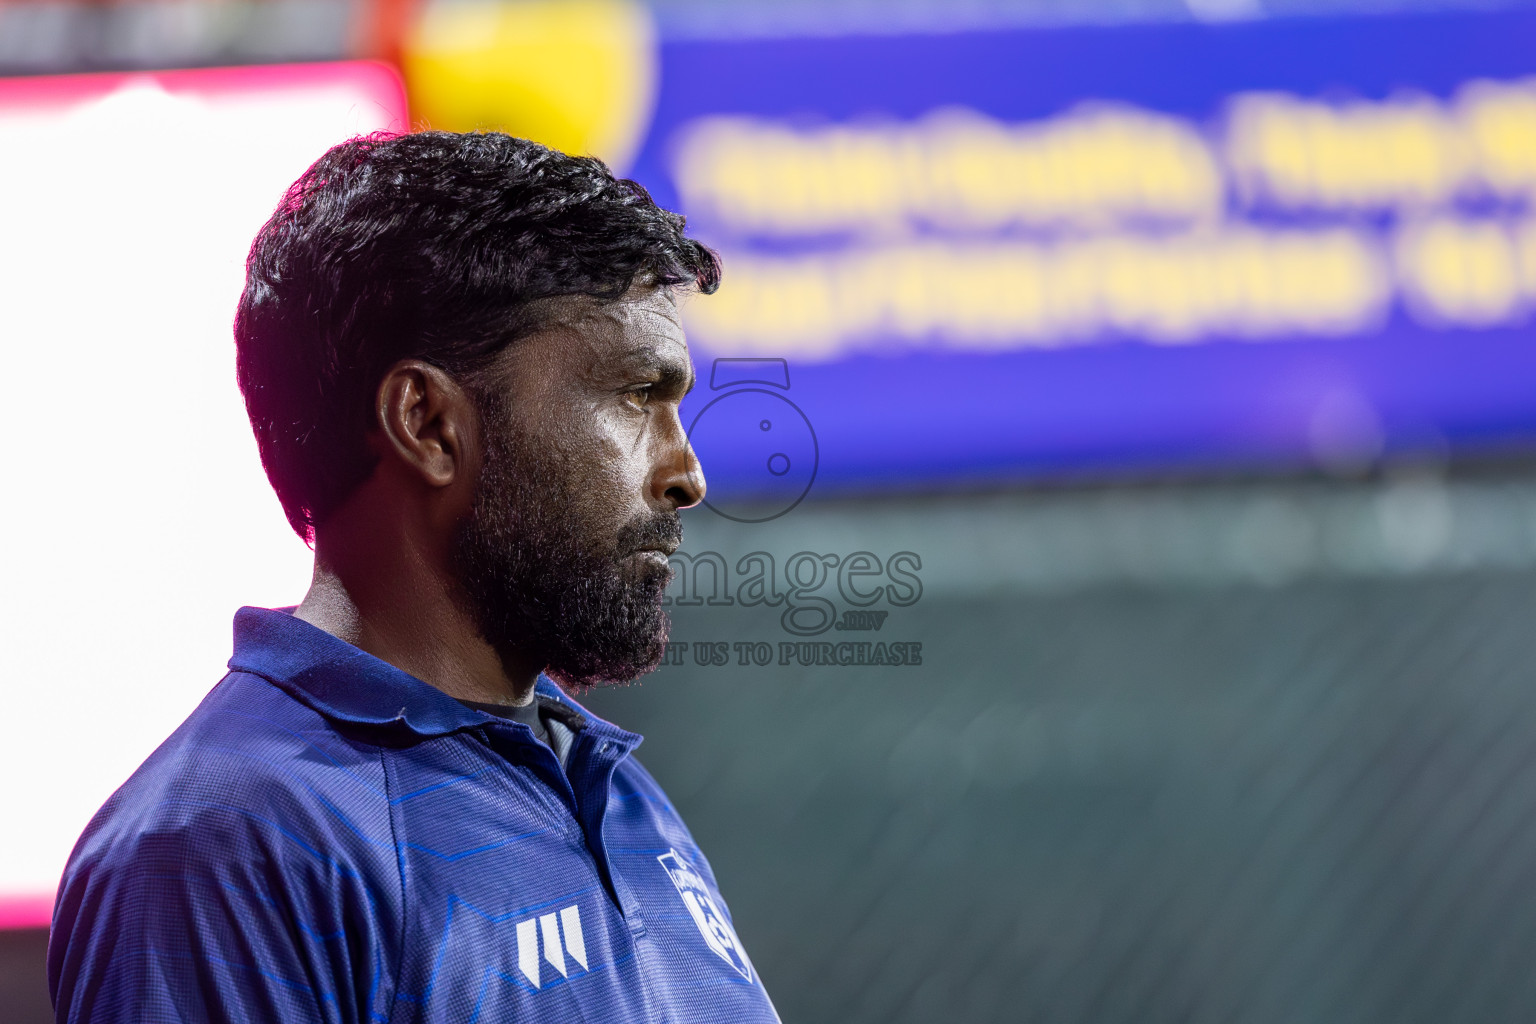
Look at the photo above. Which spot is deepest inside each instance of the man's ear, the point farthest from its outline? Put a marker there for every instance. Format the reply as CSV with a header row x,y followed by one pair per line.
x,y
427,421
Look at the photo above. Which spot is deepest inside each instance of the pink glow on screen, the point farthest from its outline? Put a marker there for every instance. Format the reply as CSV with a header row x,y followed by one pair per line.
x,y
119,276
26,911
371,82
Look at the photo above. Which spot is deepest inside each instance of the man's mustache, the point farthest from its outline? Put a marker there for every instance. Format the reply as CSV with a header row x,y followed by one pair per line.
x,y
661,532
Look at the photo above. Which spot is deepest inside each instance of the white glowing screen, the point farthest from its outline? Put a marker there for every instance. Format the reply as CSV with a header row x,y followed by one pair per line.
x,y
136,515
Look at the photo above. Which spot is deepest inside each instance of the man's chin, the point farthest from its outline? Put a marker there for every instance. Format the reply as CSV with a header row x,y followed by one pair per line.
x,y
611,663
647,572
583,679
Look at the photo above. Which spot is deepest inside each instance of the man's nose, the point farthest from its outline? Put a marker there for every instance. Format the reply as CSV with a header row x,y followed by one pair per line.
x,y
679,481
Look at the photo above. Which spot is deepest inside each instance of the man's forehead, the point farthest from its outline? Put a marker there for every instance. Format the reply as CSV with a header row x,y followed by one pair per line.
x,y
644,323
641,302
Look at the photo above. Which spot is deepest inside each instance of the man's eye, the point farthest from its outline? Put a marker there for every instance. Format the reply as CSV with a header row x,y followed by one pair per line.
x,y
639,396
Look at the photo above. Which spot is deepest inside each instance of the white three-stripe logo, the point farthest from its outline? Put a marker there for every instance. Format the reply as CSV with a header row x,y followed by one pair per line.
x,y
550,928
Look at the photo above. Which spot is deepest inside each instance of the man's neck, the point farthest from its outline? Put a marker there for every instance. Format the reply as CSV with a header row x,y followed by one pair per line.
x,y
401,611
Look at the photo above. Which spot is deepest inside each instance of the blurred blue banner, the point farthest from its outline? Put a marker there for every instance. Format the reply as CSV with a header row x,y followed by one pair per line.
x,y
1032,253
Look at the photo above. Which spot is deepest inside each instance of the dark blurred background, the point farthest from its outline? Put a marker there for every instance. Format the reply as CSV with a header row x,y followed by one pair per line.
x,y
1256,752
1163,427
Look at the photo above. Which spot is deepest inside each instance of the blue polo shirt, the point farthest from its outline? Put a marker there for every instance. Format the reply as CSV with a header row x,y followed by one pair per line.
x,y
328,838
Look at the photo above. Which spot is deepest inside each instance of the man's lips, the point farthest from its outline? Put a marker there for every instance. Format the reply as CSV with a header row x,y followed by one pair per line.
x,y
664,550
660,537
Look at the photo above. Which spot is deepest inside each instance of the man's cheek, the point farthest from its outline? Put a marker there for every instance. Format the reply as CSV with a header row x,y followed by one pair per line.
x,y
623,481
617,460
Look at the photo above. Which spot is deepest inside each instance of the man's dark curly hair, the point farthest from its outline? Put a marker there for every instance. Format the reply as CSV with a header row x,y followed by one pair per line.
x,y
435,246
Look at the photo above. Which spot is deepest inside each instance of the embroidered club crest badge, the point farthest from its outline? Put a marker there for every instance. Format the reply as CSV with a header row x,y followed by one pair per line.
x,y
717,931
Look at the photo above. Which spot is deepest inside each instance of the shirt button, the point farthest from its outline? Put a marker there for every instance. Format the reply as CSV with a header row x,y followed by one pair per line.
x,y
605,747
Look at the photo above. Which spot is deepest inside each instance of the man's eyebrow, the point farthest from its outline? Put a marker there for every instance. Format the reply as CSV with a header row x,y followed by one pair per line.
x,y
670,373
677,376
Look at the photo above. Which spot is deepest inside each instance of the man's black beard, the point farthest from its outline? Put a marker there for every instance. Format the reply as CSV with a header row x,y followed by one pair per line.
x,y
540,581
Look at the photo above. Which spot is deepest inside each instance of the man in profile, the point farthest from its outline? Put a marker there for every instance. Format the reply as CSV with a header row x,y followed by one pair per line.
x,y
462,359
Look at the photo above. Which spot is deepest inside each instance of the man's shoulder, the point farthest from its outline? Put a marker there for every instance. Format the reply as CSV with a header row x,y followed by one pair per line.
x,y
250,769
250,740
221,875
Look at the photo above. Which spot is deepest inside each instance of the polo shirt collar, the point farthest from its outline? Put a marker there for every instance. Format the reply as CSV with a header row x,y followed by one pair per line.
x,y
346,684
